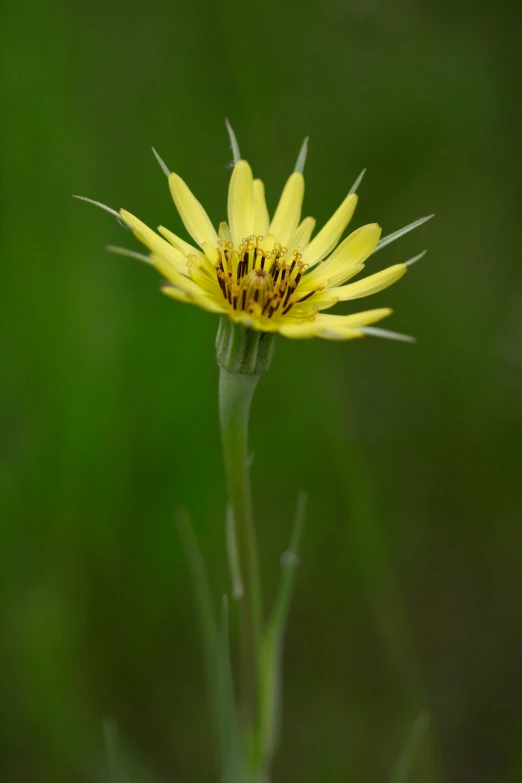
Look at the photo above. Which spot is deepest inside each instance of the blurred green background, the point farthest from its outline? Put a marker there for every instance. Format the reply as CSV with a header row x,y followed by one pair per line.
x,y
409,593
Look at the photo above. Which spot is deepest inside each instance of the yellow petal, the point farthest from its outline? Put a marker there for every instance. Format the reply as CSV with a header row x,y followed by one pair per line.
x,y
194,217
288,212
323,292
211,253
306,331
302,236
308,283
197,284
329,235
155,243
241,202
176,293
354,251
370,285
205,259
364,318
184,247
165,267
206,281
300,331
317,302
268,243
340,334
224,232
205,302
334,327
262,218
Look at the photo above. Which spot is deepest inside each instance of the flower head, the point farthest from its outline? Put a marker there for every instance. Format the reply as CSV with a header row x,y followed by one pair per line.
x,y
268,273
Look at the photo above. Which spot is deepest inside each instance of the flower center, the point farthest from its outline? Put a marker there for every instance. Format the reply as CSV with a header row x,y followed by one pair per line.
x,y
257,280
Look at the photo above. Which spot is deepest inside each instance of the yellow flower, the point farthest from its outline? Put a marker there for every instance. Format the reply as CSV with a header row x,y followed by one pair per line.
x,y
269,274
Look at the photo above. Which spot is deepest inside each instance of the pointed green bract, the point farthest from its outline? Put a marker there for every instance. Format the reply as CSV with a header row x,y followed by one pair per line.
x,y
233,143
400,233
416,258
301,158
357,182
123,251
374,331
100,205
162,163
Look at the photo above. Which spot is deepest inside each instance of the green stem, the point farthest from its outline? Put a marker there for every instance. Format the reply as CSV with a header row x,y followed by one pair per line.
x,y
235,396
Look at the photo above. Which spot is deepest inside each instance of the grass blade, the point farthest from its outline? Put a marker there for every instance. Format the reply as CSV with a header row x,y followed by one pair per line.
x,y
122,765
233,766
205,610
272,646
405,763
117,769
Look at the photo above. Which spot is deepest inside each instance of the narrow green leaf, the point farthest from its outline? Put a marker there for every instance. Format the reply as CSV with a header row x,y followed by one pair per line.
x,y
272,645
405,763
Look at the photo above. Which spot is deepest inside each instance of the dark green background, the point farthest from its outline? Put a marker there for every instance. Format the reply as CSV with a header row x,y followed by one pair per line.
x,y
409,592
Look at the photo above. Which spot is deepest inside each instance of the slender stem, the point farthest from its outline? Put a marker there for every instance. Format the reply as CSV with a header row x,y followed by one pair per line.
x,y
235,395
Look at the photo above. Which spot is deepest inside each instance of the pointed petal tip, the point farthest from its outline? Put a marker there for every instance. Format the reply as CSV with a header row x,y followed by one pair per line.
x,y
162,164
